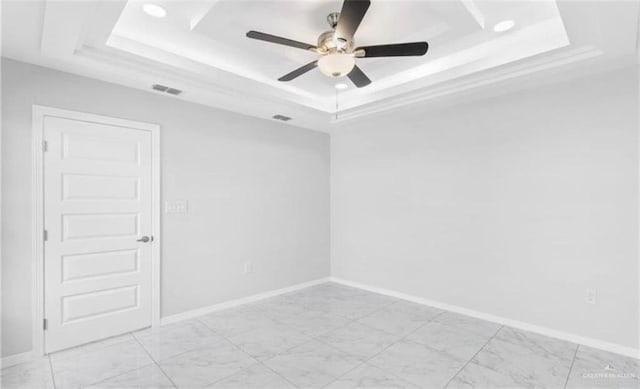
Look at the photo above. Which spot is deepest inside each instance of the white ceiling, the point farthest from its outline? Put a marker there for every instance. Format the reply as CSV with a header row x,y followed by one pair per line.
x,y
201,48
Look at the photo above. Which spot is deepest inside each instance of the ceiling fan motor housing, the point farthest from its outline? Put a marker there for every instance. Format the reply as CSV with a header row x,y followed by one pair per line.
x,y
328,42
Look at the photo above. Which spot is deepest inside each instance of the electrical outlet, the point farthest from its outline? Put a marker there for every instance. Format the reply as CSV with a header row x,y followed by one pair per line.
x,y
247,267
590,296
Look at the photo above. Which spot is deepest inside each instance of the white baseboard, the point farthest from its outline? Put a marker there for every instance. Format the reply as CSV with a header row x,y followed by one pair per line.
x,y
234,303
585,341
16,359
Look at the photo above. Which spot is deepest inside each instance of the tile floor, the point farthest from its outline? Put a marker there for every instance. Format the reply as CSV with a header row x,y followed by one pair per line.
x,y
328,336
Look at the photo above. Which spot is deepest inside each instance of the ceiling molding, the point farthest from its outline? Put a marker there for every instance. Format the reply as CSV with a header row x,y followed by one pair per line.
x,y
559,59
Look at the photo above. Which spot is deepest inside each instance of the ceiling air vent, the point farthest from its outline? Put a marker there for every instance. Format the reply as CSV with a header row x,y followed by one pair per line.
x,y
282,118
159,88
163,88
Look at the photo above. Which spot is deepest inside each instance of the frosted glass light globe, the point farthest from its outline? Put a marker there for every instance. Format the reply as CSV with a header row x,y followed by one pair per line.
x,y
336,64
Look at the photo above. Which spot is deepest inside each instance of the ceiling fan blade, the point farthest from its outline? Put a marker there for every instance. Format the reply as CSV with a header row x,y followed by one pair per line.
x,y
279,40
299,71
395,50
350,17
358,77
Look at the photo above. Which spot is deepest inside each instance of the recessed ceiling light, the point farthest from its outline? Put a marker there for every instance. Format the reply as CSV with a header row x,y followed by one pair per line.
x,y
341,86
504,26
154,10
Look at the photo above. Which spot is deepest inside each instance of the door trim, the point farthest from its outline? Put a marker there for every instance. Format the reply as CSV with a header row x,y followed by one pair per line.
x,y
38,114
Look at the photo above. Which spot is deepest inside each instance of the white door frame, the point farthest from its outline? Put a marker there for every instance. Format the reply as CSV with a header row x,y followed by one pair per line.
x,y
39,113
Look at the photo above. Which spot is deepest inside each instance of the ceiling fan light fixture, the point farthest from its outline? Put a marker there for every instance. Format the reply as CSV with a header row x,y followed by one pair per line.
x,y
336,65
154,10
504,25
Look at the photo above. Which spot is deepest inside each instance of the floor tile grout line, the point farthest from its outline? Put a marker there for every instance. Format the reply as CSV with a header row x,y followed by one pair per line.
x,y
53,376
101,347
308,340
404,338
115,375
566,382
200,347
278,374
154,360
258,361
349,322
311,338
357,320
364,362
473,356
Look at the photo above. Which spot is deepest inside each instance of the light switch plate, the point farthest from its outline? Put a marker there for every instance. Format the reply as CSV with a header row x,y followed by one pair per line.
x,y
176,206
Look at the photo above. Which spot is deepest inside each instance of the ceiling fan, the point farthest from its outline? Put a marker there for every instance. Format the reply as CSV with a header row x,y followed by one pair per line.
x,y
337,47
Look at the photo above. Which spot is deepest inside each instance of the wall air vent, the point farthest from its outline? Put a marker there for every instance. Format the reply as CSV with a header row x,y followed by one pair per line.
x,y
282,118
163,88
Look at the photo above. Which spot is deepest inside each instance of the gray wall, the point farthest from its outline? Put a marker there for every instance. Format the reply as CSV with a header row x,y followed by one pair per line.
x,y
510,205
257,190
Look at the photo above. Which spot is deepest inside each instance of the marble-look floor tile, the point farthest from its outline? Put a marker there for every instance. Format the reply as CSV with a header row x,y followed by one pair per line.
x,y
359,340
254,377
312,365
280,309
148,377
95,366
352,308
34,374
314,323
370,377
524,364
266,342
600,369
236,320
202,367
468,323
538,344
474,376
400,318
418,364
93,346
174,339
451,340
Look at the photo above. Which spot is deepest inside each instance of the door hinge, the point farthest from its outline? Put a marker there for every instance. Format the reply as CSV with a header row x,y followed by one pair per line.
x,y
45,235
45,146
44,324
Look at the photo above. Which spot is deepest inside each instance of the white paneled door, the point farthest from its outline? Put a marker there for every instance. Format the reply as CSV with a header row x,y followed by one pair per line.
x,y
98,222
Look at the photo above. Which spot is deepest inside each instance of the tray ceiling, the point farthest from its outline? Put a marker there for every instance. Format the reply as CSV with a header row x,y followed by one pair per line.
x,y
201,48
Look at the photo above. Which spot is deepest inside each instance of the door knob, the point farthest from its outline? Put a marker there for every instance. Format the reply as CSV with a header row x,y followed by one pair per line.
x,y
144,239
